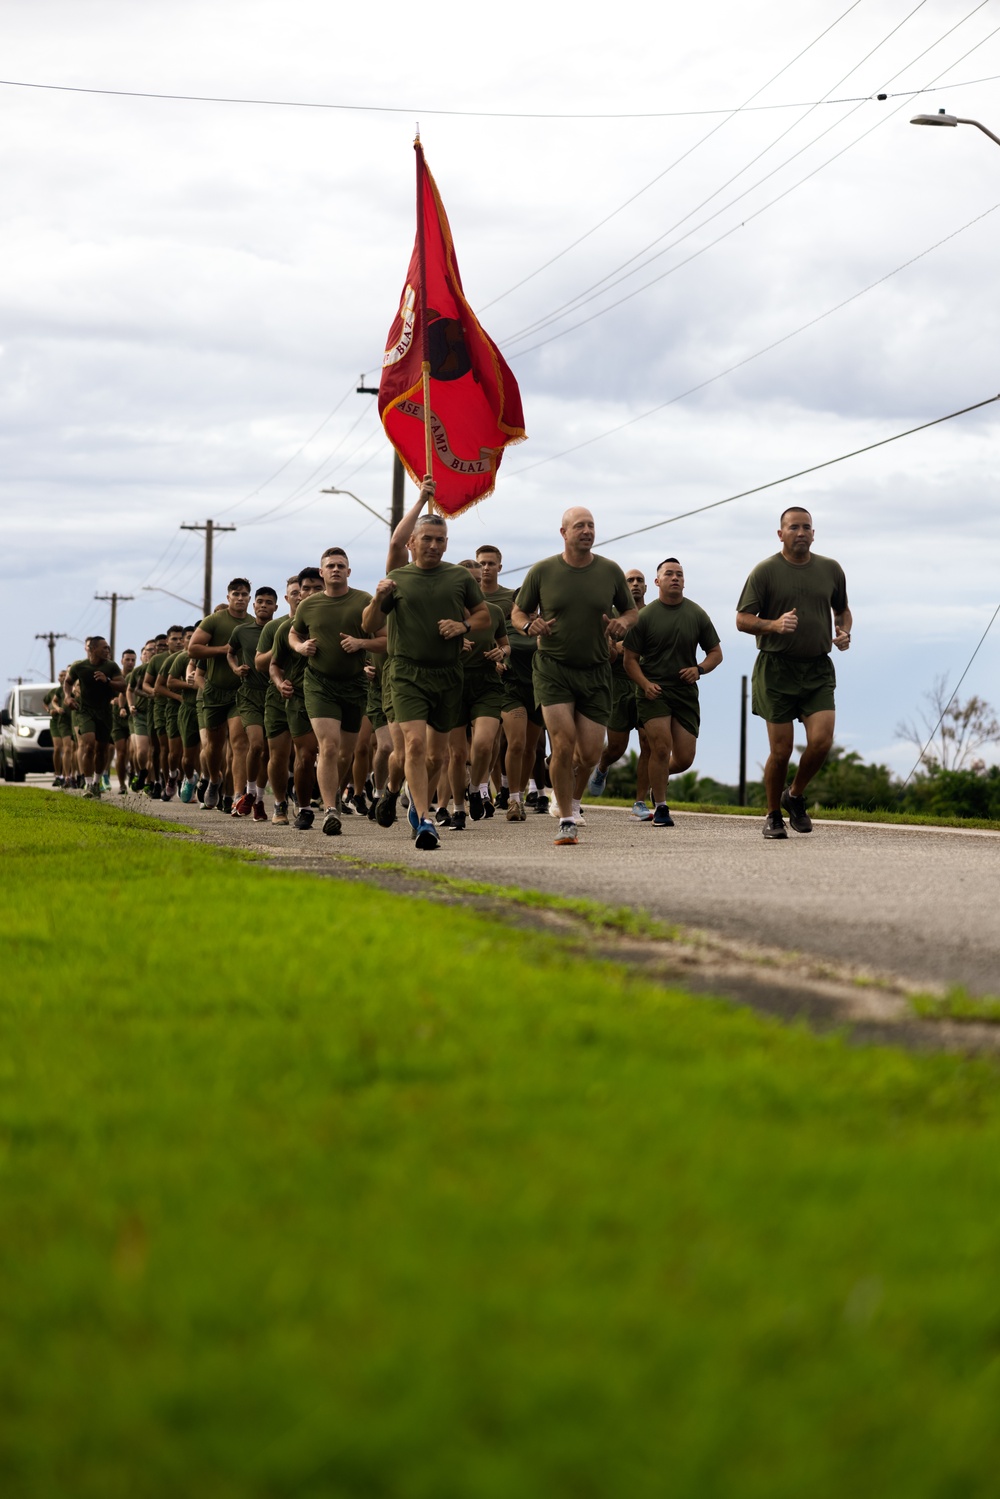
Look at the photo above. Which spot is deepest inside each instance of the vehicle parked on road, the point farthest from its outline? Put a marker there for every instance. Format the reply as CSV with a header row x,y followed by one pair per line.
x,y
25,737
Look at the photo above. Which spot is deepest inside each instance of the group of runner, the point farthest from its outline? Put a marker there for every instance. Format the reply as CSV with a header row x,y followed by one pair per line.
x,y
445,682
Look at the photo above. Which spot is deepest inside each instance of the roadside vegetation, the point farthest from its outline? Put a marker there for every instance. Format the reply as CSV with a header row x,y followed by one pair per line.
x,y
311,1189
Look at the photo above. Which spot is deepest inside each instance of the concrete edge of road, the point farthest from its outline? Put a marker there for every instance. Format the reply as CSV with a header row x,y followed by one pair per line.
x,y
825,822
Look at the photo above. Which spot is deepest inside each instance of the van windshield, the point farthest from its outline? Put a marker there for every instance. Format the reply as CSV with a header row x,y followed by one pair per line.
x,y
30,703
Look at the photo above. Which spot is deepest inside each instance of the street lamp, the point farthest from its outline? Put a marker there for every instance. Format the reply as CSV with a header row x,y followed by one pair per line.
x,y
152,588
377,514
941,118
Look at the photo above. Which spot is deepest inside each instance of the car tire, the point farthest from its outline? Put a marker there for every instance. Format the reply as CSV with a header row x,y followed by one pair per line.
x,y
16,772
4,769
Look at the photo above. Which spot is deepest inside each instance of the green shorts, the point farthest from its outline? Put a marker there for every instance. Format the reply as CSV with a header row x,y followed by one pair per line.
x,y
676,701
275,716
65,722
119,726
482,695
250,706
171,714
624,705
519,685
160,715
342,698
789,687
374,711
586,688
140,720
431,693
89,723
187,724
218,706
298,718
387,708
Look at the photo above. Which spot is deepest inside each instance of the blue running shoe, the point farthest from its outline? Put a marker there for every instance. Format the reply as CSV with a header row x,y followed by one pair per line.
x,y
413,817
597,781
427,835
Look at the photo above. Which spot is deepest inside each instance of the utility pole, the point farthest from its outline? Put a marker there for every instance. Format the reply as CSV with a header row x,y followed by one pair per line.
x,y
210,527
398,471
114,599
51,638
743,742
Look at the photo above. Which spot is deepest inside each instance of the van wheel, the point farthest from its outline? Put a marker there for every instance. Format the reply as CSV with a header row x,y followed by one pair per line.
x,y
4,770
15,773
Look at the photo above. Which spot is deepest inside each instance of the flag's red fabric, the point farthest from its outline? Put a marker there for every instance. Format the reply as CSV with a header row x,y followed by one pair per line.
x,y
475,402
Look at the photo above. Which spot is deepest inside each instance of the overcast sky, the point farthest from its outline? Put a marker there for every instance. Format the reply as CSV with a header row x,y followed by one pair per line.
x,y
191,291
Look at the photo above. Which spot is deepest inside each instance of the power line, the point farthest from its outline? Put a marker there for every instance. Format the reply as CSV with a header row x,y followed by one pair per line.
x,y
975,653
598,288
475,114
787,478
740,363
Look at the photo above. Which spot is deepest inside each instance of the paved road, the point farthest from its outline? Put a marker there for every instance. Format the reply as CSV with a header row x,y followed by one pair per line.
x,y
921,903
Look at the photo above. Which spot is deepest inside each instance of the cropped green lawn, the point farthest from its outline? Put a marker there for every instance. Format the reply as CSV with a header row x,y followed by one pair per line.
x,y
311,1190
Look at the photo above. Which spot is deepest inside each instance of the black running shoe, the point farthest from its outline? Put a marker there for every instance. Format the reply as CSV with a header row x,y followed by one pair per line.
x,y
157,791
457,823
662,817
476,809
442,817
487,806
795,806
385,808
226,806
774,826
503,799
202,788
304,821
530,798
359,804
541,802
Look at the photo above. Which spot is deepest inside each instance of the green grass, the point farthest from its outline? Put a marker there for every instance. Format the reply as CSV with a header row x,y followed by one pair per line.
x,y
822,814
957,1004
311,1190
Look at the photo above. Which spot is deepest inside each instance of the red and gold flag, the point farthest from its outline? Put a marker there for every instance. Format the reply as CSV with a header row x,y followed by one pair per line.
x,y
475,405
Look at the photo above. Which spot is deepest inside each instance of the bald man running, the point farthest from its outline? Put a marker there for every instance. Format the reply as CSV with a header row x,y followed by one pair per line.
x,y
567,603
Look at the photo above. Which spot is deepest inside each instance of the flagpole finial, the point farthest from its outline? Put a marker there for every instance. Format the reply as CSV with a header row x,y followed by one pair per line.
x,y
416,138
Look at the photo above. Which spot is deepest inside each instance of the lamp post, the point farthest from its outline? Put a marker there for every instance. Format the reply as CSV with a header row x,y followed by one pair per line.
x,y
376,513
942,118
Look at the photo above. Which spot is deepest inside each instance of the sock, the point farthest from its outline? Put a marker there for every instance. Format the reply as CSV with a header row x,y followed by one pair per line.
x,y
515,796
531,784
576,806
258,790
504,783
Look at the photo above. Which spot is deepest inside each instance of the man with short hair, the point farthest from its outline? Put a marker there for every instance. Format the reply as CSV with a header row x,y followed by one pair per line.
x,y
250,698
90,687
287,671
279,741
660,658
473,741
568,603
625,716
787,602
327,632
120,726
166,646
210,643
435,605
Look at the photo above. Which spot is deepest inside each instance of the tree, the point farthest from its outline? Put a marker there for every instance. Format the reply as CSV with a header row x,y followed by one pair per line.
x,y
953,731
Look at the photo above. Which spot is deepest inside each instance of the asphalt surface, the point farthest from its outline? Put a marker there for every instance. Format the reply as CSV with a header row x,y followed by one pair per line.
x,y
916,902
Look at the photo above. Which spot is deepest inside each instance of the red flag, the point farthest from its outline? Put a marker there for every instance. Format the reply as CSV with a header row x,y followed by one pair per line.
x,y
474,399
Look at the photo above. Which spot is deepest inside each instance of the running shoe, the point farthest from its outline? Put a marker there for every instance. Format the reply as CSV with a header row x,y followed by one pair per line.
x,y
331,823
385,808
597,781
457,823
642,812
427,835
442,817
156,791
89,794
244,806
662,817
169,789
488,808
541,802
202,788
567,833
226,806
371,808
187,791
795,806
503,799
476,809
412,818
259,812
530,798
774,826
280,817
212,793
359,804
516,812
123,791
105,782
304,821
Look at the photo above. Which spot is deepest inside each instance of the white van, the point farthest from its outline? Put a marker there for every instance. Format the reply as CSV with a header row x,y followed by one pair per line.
x,y
25,737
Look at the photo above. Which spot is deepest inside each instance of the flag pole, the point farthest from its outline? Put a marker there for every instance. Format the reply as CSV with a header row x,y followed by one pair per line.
x,y
425,342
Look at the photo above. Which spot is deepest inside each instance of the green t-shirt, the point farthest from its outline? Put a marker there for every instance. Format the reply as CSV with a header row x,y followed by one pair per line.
x,y
245,643
666,638
324,618
288,661
576,598
485,640
154,666
95,697
178,668
422,597
816,590
219,629
266,641
506,598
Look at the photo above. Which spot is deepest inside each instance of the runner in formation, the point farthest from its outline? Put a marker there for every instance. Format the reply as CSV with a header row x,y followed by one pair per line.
x,y
439,686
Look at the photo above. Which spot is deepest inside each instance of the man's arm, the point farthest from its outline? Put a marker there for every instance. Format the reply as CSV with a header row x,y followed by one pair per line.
x,y
304,644
200,646
373,618
752,624
396,555
617,629
843,623
634,670
284,686
690,674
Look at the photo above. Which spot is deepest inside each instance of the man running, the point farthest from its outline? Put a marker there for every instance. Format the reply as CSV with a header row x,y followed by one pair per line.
x,y
660,659
787,602
250,697
287,670
625,715
210,643
328,633
435,606
91,685
567,604
121,731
